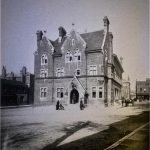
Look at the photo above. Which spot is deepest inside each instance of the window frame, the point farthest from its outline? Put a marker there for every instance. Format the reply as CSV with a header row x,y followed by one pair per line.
x,y
68,56
73,42
92,71
44,60
60,94
93,91
79,71
60,73
44,93
100,90
76,56
46,73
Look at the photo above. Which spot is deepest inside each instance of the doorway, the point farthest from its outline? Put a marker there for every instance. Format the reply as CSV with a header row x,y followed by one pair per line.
x,y
74,96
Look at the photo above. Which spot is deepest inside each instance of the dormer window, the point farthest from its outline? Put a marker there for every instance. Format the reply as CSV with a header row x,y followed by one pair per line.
x,y
44,60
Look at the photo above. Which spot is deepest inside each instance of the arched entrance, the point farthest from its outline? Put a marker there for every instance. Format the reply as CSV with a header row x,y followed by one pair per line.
x,y
74,96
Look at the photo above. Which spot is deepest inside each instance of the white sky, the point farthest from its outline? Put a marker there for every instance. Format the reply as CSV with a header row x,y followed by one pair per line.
x,y
129,23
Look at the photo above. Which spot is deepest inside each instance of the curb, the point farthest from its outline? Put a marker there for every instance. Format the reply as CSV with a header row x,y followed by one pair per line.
x,y
125,137
11,107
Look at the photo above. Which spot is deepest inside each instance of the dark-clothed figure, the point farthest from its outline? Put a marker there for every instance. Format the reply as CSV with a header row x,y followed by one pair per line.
x,y
123,102
57,105
81,105
86,97
126,102
61,107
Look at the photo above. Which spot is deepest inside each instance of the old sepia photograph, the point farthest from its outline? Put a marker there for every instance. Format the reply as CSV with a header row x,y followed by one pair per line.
x,y
74,75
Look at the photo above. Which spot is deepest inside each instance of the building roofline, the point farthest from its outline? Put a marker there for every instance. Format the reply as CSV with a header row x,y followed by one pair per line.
x,y
115,56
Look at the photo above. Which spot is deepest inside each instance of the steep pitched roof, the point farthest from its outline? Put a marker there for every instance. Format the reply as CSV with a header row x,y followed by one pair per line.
x,y
115,59
93,40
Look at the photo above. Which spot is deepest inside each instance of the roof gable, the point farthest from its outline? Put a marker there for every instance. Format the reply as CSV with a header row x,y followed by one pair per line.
x,y
78,41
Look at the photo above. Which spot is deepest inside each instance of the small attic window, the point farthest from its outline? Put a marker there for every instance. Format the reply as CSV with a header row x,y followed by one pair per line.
x,y
73,42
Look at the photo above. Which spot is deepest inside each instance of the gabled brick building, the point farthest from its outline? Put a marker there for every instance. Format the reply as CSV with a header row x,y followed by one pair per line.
x,y
75,64
143,89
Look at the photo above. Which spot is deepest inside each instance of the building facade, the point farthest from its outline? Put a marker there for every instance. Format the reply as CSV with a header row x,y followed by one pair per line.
x,y
76,66
143,89
126,89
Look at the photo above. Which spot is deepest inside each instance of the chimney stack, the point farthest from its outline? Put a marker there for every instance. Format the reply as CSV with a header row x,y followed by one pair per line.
x,y
106,24
62,33
39,34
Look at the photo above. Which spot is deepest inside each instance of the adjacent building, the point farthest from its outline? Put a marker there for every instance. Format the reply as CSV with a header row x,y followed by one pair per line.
x,y
77,66
17,89
143,89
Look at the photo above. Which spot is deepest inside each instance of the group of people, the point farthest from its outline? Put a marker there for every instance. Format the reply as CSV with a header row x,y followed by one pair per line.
x,y
59,106
126,102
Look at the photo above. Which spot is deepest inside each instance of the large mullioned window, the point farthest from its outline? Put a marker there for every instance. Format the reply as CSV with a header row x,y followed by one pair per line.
x,y
93,70
44,73
97,92
43,92
60,72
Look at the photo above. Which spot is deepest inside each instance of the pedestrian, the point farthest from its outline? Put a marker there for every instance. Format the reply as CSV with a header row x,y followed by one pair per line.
x,y
86,97
122,102
81,105
57,105
126,102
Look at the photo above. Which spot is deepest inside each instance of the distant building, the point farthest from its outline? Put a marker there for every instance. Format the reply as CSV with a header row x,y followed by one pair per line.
x,y
16,89
126,89
77,65
132,94
143,89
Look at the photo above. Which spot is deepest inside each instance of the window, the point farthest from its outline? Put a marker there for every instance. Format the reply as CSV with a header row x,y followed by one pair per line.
x,y
60,93
100,92
78,72
73,42
60,72
43,92
68,57
102,68
44,73
141,89
93,70
77,56
93,92
44,60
